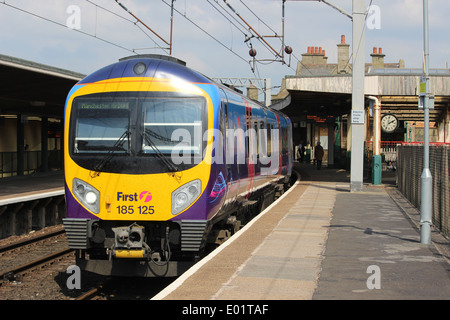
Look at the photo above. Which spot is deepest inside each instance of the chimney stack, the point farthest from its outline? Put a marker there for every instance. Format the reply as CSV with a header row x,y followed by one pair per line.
x,y
313,56
252,92
343,56
377,58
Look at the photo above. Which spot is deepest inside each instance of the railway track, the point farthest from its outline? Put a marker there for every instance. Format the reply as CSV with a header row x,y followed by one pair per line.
x,y
91,294
32,253
34,268
30,264
59,230
20,271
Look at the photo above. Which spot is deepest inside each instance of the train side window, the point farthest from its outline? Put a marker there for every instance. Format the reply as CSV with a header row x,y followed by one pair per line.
x,y
221,136
263,137
269,139
256,138
226,115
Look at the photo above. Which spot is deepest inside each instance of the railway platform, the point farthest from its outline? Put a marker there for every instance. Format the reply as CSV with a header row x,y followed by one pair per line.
x,y
31,202
322,242
29,187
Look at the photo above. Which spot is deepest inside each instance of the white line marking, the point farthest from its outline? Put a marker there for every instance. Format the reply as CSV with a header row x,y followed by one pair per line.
x,y
32,197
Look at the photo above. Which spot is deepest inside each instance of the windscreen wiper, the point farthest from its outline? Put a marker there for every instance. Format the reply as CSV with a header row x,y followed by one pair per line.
x,y
146,135
118,145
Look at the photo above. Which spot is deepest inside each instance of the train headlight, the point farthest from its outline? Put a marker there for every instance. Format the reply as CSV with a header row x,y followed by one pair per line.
x,y
90,197
87,195
185,195
181,198
139,68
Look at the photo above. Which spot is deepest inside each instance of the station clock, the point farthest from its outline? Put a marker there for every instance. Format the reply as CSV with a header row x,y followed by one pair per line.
x,y
389,123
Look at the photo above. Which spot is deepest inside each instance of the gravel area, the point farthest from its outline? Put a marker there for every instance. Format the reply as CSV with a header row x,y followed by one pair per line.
x,y
48,283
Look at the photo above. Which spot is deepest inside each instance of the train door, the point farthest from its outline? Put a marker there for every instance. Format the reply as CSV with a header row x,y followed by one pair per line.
x,y
269,146
290,147
250,147
280,145
257,145
231,147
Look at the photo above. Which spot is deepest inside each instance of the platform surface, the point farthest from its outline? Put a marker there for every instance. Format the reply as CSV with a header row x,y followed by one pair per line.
x,y
30,187
323,242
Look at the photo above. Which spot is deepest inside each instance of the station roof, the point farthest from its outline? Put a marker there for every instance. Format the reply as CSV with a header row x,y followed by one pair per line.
x,y
327,96
35,89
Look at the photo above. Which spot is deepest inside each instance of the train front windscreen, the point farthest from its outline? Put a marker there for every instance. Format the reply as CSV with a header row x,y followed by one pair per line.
x,y
128,133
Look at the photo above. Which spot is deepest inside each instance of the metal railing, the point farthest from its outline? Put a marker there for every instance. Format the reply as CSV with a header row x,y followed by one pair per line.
x,y
32,162
409,170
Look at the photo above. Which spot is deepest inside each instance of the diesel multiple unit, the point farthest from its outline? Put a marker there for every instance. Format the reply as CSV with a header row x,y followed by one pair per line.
x,y
161,161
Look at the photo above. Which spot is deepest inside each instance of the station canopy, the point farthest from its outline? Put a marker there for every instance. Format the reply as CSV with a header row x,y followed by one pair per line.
x,y
33,89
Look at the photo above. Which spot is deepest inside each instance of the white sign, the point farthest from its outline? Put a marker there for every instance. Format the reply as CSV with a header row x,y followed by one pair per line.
x,y
357,116
430,102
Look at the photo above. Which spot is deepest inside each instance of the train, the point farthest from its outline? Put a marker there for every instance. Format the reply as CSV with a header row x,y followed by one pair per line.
x,y
162,163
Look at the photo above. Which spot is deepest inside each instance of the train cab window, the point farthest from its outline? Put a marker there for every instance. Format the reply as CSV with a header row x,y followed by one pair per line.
x,y
102,126
134,132
173,125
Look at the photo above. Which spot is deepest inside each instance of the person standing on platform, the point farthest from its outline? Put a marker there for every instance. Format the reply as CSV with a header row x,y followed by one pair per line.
x,y
318,155
300,152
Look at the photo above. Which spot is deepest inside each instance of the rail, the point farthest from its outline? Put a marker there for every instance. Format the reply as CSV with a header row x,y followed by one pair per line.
x,y
38,263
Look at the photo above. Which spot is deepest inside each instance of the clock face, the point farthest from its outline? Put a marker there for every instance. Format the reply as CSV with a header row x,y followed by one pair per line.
x,y
389,123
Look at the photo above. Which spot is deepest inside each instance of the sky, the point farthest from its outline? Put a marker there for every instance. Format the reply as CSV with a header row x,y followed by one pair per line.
x,y
86,35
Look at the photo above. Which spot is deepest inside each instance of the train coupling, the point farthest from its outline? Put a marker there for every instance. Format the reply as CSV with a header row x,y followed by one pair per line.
x,y
129,242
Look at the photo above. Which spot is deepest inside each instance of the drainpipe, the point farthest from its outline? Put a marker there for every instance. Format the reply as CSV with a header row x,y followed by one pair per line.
x,y
376,124
376,160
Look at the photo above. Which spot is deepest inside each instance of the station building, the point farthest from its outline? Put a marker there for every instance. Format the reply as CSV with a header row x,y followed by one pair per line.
x,y
319,103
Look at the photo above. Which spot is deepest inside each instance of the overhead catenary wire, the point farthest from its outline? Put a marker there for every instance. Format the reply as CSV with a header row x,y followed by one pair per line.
x,y
95,35
83,32
150,29
232,17
132,22
65,26
259,18
259,37
360,39
206,32
111,42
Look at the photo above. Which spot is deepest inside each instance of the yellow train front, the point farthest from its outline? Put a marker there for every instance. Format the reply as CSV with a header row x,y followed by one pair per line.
x,y
144,189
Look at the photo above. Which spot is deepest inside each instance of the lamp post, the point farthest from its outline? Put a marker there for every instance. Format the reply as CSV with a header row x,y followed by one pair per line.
x,y
426,180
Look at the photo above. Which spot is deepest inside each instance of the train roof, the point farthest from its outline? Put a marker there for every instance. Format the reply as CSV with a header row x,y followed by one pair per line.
x,y
152,66
159,66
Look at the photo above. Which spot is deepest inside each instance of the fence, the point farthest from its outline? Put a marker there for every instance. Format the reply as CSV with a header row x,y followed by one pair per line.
x,y
409,170
32,162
